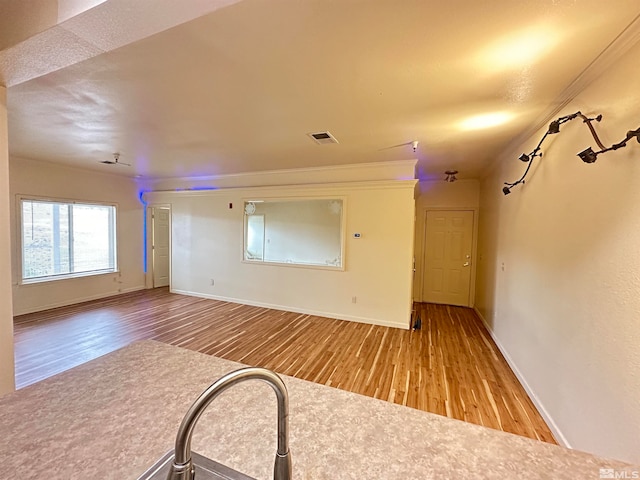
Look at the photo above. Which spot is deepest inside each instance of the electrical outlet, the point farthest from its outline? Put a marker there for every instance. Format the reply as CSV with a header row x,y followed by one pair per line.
x,y
354,299
212,282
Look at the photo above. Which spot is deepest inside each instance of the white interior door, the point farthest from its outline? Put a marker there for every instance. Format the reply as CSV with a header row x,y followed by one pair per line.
x,y
160,245
447,257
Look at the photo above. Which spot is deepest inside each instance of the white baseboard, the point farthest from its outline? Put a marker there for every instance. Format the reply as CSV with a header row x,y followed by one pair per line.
x,y
559,436
337,316
73,301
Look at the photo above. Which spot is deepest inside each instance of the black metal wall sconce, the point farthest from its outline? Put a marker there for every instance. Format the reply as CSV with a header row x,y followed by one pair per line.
x,y
587,156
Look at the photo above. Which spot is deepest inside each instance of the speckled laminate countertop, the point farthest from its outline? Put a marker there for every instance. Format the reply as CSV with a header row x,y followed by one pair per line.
x,y
114,417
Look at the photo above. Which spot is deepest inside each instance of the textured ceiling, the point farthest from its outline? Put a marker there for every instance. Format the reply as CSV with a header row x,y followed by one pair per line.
x,y
235,86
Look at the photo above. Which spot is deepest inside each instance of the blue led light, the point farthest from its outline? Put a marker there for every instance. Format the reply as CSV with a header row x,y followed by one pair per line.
x,y
144,231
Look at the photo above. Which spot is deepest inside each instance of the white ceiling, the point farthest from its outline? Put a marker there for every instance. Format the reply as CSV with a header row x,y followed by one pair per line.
x,y
220,87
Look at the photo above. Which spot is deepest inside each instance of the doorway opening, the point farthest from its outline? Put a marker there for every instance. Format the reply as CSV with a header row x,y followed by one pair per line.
x,y
160,246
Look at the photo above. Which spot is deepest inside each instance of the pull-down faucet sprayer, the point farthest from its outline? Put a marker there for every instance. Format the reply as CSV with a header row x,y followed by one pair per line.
x,y
183,468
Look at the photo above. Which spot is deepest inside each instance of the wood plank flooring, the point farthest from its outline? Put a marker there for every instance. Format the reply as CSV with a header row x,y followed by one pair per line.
x,y
450,367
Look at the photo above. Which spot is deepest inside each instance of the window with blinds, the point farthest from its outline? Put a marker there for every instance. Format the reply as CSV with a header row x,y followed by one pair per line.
x,y
66,239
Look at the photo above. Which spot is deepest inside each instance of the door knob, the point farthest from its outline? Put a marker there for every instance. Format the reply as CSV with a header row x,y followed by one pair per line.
x,y
465,264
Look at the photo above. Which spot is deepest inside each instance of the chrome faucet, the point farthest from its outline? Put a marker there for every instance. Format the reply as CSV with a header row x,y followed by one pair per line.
x,y
183,468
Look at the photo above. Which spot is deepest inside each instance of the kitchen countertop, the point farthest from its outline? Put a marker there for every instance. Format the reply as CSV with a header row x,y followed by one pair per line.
x,y
113,417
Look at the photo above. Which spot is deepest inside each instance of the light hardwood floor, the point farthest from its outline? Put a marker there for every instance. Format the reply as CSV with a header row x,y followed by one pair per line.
x,y
450,367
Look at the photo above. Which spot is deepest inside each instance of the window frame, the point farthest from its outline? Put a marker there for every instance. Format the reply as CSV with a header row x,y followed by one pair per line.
x,y
311,266
113,227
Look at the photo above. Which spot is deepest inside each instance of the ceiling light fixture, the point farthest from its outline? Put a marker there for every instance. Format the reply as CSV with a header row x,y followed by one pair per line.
x,y
451,176
587,156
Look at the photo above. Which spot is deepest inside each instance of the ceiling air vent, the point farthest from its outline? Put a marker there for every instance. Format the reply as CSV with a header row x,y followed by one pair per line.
x,y
322,138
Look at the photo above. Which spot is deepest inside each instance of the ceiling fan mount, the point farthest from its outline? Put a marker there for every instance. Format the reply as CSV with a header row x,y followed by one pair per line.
x,y
115,161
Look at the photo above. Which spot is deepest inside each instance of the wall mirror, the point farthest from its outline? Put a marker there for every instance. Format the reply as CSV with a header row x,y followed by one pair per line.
x,y
305,232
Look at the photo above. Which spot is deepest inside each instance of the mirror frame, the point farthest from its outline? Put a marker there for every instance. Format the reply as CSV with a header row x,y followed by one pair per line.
x,y
343,225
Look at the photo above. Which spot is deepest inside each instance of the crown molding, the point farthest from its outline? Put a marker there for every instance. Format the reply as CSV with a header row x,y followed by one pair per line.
x,y
328,168
289,190
628,38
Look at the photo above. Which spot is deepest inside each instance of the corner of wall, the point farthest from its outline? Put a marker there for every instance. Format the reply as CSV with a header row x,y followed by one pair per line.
x,y
7,381
557,433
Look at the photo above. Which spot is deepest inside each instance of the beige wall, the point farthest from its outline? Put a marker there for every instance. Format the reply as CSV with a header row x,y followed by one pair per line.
x,y
6,320
207,244
460,195
558,279
29,177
